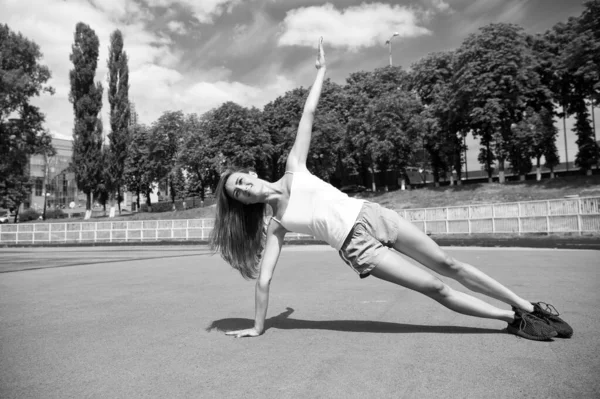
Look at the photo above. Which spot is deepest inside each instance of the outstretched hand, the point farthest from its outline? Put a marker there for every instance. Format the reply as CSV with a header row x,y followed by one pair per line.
x,y
250,332
320,55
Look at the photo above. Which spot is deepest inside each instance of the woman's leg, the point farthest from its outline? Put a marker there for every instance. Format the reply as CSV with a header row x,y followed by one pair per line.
x,y
414,243
394,268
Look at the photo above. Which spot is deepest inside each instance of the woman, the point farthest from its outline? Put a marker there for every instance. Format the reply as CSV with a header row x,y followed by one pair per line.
x,y
366,235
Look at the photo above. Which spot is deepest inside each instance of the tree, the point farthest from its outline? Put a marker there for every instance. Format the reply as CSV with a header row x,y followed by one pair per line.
x,y
136,174
196,155
494,82
520,147
22,78
86,98
164,141
582,60
280,120
589,24
431,79
388,131
544,141
362,91
237,138
575,45
118,98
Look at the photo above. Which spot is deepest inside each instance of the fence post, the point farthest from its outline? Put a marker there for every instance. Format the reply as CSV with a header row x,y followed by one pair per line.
x,y
469,218
126,231
579,211
493,219
519,217
547,217
447,223
187,229
202,228
80,227
172,223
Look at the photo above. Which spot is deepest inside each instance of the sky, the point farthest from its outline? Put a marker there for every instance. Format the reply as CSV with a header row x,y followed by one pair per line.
x,y
193,55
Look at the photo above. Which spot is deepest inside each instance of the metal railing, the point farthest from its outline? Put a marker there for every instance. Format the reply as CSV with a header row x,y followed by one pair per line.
x,y
569,215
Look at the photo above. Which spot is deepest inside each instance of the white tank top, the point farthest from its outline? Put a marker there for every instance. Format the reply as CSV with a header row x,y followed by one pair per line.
x,y
319,209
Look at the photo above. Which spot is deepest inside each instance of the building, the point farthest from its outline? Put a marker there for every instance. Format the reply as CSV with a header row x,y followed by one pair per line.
x,y
61,188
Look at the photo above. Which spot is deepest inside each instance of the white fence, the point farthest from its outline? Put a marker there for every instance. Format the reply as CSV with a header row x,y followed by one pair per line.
x,y
578,215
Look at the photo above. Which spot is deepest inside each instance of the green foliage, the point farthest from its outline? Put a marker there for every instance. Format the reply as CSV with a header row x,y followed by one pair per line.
x,y
588,154
236,138
137,176
55,214
442,126
521,145
86,98
163,141
195,156
118,98
495,81
366,94
280,120
28,214
177,185
22,77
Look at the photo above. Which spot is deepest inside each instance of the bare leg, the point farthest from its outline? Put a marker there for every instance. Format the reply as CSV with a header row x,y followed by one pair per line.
x,y
414,243
393,268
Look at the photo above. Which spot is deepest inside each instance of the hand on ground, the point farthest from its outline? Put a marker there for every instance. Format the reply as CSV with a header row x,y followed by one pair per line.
x,y
250,332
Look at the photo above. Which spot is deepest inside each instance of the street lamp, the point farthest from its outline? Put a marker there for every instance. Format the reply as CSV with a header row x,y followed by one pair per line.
x,y
389,43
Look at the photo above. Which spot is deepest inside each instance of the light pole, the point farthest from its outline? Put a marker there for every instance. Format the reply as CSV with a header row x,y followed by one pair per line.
x,y
389,43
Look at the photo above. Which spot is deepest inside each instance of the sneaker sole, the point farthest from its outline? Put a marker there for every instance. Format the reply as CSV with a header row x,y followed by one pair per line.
x,y
564,335
520,333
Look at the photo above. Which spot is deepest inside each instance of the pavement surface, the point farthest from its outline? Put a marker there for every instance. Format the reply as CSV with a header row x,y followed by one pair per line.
x,y
148,322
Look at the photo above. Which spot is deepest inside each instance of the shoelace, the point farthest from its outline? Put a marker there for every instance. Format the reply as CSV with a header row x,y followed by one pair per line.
x,y
549,308
524,317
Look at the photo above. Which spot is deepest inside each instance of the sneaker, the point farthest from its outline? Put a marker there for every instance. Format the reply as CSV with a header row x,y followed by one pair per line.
x,y
549,314
528,326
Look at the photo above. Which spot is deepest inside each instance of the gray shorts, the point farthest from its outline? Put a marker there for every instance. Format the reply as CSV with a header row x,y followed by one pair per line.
x,y
373,233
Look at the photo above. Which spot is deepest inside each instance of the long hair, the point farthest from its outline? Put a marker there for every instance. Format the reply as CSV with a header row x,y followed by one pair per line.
x,y
239,230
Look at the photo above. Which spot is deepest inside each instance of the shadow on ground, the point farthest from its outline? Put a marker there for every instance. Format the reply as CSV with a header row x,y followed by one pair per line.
x,y
282,321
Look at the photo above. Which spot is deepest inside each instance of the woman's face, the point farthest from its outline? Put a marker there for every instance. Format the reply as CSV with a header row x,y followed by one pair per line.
x,y
244,187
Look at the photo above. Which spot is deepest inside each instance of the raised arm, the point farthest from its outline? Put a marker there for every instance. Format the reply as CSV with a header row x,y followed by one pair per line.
x,y
297,159
274,241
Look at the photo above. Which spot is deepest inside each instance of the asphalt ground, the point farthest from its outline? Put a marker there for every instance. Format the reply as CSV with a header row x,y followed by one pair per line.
x,y
148,322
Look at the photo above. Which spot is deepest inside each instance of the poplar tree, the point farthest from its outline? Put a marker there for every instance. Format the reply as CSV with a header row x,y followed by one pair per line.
x,y
86,97
118,98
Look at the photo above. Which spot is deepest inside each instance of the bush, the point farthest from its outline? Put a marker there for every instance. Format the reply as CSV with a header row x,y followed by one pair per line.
x,y
28,214
55,214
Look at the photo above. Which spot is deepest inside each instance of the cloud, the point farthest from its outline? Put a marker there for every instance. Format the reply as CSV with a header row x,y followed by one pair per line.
x,y
353,28
440,5
159,77
177,27
161,89
203,10
250,38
